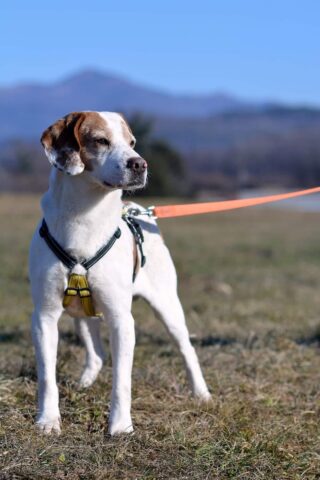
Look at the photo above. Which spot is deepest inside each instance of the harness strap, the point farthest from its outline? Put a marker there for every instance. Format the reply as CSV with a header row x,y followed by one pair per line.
x,y
67,259
137,233
78,284
56,248
103,250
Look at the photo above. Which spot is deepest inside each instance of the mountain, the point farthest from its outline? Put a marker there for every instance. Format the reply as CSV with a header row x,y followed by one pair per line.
x,y
225,143
25,110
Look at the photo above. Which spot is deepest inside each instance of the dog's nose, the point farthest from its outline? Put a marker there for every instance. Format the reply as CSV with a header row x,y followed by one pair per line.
x,y
137,164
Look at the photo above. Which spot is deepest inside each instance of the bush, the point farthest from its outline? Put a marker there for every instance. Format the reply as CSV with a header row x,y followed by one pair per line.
x,y
167,174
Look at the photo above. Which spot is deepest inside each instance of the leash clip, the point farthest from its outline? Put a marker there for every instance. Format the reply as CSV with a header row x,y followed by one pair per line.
x,y
136,212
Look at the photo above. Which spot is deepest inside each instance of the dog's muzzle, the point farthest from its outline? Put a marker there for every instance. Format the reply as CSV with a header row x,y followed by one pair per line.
x,y
137,165
136,174
138,171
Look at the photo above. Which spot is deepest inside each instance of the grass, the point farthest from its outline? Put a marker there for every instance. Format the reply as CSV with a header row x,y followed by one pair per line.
x,y
249,282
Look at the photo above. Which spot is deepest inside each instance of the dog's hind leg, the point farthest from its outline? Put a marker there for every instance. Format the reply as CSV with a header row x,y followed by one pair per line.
x,y
168,307
157,283
89,332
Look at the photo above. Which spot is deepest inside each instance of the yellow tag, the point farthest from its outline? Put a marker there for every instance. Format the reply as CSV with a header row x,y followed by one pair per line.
x,y
78,286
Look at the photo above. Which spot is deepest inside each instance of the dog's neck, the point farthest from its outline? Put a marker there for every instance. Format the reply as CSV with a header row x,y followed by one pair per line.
x,y
80,214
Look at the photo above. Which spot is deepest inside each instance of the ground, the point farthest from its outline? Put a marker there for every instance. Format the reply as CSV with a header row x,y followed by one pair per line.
x,y
249,283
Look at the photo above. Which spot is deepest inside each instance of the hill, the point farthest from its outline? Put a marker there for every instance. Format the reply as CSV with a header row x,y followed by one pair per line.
x,y
25,110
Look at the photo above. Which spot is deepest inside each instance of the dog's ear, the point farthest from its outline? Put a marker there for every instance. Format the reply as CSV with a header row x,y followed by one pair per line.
x,y
62,145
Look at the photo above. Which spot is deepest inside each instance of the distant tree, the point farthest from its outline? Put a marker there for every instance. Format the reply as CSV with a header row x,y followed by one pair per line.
x,y
167,174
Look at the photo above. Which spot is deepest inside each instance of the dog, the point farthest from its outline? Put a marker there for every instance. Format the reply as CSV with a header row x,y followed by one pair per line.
x,y
95,159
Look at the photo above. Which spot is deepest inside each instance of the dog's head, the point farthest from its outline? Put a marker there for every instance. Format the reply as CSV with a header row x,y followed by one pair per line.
x,y
100,144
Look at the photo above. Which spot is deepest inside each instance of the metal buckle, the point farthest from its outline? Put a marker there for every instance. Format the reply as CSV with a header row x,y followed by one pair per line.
x,y
136,212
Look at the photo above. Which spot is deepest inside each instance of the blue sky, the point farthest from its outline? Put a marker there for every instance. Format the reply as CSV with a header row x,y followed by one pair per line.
x,y
254,49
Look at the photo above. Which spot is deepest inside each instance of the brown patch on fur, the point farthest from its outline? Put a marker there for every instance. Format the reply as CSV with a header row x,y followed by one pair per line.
x,y
62,137
73,138
61,140
93,127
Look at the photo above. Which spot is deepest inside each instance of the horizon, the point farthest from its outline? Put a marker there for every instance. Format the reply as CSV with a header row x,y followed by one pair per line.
x,y
250,51
126,78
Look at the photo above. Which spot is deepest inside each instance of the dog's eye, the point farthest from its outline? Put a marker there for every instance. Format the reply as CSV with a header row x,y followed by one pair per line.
x,y
103,141
132,143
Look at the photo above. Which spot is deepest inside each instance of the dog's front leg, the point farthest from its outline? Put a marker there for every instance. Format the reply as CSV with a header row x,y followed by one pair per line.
x,y
45,339
122,338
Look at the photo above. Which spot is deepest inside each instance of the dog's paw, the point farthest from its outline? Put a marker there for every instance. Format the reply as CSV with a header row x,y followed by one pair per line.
x,y
87,378
90,374
49,426
203,397
120,429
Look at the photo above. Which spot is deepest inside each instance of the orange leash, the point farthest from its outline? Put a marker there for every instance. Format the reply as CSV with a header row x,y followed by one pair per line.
x,y
167,211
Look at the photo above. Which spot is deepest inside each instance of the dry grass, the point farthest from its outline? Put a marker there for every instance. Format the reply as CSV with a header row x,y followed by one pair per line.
x,y
249,282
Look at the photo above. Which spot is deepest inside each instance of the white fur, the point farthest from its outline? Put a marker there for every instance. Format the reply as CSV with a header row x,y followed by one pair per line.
x,y
82,215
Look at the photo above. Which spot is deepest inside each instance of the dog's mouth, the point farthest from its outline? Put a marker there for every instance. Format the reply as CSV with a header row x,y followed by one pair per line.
x,y
132,185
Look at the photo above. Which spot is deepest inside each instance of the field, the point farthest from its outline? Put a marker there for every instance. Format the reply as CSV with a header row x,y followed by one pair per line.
x,y
250,283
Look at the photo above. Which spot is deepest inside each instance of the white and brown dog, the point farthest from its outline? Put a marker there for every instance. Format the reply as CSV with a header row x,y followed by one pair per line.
x,y
95,159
